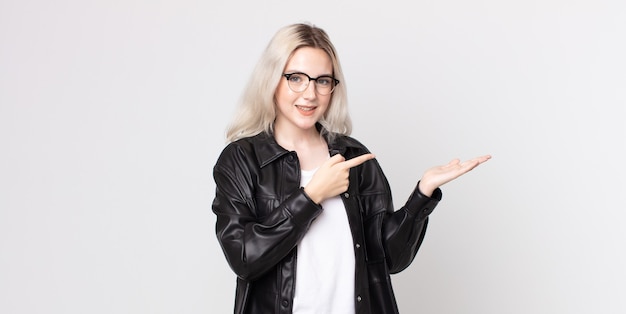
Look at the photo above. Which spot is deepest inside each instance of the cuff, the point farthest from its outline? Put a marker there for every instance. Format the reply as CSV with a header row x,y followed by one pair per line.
x,y
421,205
302,209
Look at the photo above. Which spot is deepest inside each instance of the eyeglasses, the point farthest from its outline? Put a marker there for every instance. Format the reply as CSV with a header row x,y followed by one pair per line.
x,y
299,82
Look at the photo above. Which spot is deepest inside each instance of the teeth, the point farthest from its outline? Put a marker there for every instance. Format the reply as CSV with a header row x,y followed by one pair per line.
x,y
306,108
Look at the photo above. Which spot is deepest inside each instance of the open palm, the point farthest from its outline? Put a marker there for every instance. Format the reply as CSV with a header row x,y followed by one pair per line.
x,y
440,175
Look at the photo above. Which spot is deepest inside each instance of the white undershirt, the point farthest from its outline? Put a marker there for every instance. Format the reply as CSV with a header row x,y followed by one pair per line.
x,y
325,262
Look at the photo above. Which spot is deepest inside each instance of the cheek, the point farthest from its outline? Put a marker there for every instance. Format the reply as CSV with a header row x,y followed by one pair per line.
x,y
281,94
326,103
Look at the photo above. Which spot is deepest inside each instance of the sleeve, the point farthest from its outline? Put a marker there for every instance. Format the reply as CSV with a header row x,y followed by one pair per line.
x,y
402,231
253,246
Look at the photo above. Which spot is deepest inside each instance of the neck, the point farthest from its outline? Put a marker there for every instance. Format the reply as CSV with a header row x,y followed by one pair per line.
x,y
298,140
292,138
309,145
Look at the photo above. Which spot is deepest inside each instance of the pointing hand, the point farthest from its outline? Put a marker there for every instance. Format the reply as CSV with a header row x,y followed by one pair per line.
x,y
332,177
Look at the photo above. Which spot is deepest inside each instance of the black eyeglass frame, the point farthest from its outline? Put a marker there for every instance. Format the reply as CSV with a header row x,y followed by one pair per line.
x,y
288,75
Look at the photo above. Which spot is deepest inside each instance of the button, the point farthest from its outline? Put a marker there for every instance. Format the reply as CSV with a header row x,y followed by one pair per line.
x,y
358,298
285,303
346,195
358,246
290,158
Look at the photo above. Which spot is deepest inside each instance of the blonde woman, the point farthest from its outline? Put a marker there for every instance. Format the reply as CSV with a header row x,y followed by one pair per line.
x,y
304,211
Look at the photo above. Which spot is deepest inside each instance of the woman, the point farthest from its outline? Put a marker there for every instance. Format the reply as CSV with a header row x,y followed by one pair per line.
x,y
304,212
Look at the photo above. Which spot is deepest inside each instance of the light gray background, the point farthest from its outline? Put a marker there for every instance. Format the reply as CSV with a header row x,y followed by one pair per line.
x,y
112,114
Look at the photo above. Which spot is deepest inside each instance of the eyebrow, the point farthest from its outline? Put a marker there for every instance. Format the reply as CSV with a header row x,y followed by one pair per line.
x,y
298,71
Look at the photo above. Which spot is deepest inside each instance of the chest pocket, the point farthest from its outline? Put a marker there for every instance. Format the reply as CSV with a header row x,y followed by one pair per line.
x,y
372,211
274,183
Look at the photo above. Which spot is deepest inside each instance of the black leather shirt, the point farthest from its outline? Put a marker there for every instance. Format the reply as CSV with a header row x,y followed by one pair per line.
x,y
263,213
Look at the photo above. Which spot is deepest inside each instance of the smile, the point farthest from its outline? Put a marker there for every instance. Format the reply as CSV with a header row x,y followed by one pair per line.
x,y
303,108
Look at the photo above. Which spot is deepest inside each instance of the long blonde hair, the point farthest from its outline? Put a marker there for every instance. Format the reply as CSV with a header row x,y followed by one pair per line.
x,y
256,112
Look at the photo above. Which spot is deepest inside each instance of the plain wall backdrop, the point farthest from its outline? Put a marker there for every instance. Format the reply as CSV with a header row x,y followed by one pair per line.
x,y
112,114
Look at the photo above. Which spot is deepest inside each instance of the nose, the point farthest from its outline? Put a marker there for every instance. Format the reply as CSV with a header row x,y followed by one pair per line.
x,y
310,91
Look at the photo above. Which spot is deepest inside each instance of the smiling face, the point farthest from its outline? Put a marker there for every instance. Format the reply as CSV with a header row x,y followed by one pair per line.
x,y
298,112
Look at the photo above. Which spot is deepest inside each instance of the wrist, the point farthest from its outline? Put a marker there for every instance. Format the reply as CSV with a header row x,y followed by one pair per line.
x,y
426,189
311,195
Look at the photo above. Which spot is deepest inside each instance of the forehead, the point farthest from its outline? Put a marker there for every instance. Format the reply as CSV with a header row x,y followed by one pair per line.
x,y
313,61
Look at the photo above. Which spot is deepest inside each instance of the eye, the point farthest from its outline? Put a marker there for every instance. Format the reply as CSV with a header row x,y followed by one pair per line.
x,y
296,78
325,80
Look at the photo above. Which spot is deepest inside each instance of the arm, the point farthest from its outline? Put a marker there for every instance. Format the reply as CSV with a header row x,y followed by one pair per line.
x,y
404,229
253,246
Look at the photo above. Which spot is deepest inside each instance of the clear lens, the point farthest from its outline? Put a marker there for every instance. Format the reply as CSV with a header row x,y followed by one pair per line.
x,y
298,82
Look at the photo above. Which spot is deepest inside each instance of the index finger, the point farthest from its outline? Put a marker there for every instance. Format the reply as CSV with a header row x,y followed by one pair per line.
x,y
358,160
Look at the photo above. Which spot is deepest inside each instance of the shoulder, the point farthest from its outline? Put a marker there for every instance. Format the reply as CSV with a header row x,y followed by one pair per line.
x,y
237,147
236,152
258,150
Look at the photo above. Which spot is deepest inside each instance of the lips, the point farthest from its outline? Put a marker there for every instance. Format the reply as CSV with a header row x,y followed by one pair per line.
x,y
306,110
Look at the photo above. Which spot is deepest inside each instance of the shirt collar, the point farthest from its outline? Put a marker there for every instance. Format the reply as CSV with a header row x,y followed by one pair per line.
x,y
268,150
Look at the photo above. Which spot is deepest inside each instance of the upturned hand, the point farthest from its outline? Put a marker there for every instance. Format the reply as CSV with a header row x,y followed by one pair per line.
x,y
440,175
